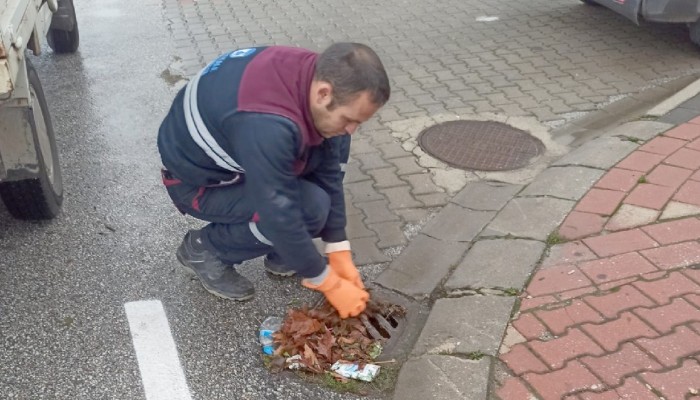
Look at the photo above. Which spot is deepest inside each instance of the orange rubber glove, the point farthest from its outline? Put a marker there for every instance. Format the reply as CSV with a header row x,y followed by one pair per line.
x,y
340,259
346,298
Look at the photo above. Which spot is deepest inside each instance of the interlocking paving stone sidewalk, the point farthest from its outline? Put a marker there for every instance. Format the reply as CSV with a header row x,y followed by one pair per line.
x,y
553,61
615,313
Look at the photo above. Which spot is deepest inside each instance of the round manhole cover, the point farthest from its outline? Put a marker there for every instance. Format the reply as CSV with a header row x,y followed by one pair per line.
x,y
480,145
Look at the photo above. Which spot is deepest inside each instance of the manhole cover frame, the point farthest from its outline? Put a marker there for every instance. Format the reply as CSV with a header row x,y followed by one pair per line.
x,y
537,147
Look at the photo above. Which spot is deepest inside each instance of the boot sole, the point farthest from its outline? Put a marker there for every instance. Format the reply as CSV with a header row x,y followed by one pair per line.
x,y
217,294
283,274
184,265
187,269
277,273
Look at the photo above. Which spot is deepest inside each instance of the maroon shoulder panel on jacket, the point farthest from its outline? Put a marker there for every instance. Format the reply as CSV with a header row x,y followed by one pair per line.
x,y
277,81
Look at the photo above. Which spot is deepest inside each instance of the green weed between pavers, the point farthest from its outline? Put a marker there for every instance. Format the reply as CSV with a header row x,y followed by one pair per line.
x,y
350,385
475,355
511,291
632,139
642,179
386,380
554,238
647,117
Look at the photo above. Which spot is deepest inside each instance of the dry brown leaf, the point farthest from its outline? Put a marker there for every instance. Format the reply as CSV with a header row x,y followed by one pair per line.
x,y
321,337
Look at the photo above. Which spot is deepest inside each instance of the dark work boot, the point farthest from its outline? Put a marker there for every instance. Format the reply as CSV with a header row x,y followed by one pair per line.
x,y
274,265
217,278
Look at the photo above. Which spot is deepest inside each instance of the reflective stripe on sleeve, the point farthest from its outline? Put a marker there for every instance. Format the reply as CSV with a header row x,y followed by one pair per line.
x,y
199,132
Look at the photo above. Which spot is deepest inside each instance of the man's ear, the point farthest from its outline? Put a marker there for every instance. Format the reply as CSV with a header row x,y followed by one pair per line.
x,y
324,93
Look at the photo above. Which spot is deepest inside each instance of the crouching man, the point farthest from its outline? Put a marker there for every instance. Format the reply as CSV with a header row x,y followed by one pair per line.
x,y
256,145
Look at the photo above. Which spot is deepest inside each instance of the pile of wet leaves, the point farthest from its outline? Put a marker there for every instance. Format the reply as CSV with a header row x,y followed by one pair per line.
x,y
315,338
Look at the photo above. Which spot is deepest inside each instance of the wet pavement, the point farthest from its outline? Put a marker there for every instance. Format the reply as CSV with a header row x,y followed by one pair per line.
x,y
540,65
537,67
64,283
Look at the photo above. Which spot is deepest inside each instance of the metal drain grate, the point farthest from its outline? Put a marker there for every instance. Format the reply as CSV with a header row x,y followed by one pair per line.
x,y
397,326
388,328
480,145
382,327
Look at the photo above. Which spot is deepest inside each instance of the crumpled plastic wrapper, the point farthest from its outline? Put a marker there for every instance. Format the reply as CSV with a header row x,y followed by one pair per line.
x,y
349,370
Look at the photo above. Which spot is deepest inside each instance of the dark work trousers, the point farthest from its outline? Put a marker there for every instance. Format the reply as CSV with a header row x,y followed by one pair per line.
x,y
229,212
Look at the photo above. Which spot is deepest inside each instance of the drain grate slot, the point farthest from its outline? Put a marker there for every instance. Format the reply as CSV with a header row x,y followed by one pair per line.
x,y
373,332
383,328
393,321
385,324
387,318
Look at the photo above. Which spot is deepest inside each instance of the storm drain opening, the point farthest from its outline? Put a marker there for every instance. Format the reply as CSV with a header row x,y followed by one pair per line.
x,y
384,320
384,327
395,321
480,145
392,320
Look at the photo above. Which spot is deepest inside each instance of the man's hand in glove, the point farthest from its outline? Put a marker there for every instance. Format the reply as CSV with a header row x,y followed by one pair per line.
x,y
343,295
340,260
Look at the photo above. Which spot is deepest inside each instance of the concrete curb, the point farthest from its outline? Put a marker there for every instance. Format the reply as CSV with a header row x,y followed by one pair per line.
x,y
469,322
677,99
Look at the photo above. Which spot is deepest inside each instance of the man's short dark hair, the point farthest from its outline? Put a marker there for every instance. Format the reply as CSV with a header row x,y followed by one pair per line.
x,y
352,68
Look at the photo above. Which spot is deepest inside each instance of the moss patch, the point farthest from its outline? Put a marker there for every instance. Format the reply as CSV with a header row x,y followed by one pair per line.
x,y
554,238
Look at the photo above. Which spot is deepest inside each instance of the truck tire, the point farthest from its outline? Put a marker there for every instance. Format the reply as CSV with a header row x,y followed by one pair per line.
x,y
39,197
63,35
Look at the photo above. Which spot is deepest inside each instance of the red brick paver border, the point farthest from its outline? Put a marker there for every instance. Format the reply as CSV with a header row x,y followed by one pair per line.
x,y
616,315
667,168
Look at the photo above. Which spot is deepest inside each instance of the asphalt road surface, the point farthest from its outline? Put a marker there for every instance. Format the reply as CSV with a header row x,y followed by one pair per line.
x,y
65,332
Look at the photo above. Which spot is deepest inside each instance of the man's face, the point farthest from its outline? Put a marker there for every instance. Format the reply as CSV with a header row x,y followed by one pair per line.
x,y
339,119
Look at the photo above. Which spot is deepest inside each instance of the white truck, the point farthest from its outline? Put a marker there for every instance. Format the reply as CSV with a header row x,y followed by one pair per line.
x,y
30,176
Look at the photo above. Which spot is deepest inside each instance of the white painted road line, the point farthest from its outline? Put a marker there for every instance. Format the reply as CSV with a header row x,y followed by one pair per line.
x,y
161,373
675,100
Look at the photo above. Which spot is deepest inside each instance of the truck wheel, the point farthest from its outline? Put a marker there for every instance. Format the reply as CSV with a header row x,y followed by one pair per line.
x,y
39,197
63,35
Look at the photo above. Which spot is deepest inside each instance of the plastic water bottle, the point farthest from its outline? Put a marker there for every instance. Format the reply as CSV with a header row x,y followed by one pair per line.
x,y
269,326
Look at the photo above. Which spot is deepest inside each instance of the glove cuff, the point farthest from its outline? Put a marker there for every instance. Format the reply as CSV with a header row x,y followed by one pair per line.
x,y
338,246
329,279
317,280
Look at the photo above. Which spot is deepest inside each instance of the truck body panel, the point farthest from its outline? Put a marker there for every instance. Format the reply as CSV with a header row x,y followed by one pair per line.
x,y
22,23
675,11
